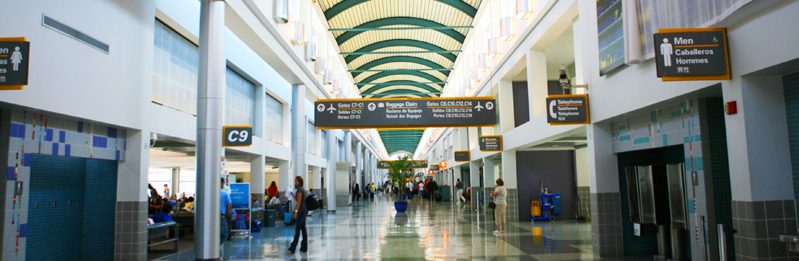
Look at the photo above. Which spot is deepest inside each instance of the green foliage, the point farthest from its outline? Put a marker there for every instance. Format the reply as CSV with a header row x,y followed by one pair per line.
x,y
400,170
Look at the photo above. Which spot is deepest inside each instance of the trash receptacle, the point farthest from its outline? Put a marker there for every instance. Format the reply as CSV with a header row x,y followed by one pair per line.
x,y
270,215
444,192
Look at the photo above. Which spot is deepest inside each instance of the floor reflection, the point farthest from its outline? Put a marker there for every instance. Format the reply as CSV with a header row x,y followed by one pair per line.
x,y
430,231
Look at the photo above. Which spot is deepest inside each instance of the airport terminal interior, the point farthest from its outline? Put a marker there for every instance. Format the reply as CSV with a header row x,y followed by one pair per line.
x,y
399,130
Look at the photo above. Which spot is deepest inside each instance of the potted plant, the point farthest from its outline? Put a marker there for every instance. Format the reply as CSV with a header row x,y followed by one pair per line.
x,y
399,172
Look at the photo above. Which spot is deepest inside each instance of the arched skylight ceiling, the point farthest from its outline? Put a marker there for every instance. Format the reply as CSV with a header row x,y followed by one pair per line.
x,y
400,48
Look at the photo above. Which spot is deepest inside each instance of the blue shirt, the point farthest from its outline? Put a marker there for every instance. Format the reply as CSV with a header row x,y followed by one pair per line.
x,y
224,200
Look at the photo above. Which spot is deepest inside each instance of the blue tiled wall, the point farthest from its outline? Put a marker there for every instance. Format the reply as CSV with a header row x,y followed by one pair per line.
x,y
98,219
80,226
51,229
791,84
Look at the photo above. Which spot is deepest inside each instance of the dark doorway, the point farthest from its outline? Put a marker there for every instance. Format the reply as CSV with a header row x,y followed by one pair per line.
x,y
553,169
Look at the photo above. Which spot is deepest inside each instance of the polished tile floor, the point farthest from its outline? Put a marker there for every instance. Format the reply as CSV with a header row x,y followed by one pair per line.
x,y
440,231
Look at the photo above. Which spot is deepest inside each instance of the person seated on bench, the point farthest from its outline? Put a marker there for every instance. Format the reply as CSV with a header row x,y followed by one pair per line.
x,y
163,215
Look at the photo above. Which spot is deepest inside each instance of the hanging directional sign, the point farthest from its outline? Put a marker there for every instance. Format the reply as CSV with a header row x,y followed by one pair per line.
x,y
405,112
14,57
692,54
415,164
567,109
237,136
435,167
462,155
491,143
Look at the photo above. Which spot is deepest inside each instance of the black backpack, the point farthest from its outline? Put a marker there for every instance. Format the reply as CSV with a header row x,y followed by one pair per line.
x,y
313,202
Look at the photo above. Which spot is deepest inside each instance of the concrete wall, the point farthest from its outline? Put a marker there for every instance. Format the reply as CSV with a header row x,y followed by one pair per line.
x,y
556,170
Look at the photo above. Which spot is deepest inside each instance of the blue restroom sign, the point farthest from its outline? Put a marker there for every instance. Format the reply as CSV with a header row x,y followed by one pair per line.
x,y
14,57
692,54
237,136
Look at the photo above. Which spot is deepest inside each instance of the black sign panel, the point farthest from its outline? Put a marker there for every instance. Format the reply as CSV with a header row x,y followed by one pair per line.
x,y
416,164
567,109
405,113
491,143
462,155
14,57
692,54
435,167
237,136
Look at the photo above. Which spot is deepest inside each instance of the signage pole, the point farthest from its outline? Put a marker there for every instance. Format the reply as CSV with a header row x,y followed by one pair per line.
x,y
210,102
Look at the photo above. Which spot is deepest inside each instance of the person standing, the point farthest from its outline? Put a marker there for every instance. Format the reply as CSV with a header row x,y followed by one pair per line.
x,y
272,191
432,188
226,209
356,190
459,192
500,195
166,191
300,215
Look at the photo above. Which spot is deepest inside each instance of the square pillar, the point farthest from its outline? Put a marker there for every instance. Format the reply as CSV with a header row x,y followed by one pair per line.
x,y
603,173
330,174
299,126
537,83
130,239
258,179
763,205
285,180
508,175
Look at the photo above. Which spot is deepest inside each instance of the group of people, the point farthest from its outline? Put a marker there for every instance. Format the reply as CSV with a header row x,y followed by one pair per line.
x,y
367,192
161,208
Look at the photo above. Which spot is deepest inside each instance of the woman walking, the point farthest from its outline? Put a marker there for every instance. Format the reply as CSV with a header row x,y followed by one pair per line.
x,y
300,215
500,195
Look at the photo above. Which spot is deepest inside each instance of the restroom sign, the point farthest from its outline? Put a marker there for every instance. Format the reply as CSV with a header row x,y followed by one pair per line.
x,y
14,57
692,54
237,136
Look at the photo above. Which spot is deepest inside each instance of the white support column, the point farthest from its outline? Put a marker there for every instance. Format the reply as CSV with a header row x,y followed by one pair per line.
x,y
489,176
330,175
605,199
358,163
474,183
299,131
537,83
315,180
210,118
258,179
505,100
284,178
131,206
348,146
509,169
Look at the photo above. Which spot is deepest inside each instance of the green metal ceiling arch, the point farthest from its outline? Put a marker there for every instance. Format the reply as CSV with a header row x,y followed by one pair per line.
x,y
347,4
454,34
380,75
400,42
401,92
396,83
399,59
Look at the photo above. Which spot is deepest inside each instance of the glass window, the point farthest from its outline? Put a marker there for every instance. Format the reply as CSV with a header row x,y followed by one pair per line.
x,y
158,177
273,117
175,68
653,14
188,182
239,100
